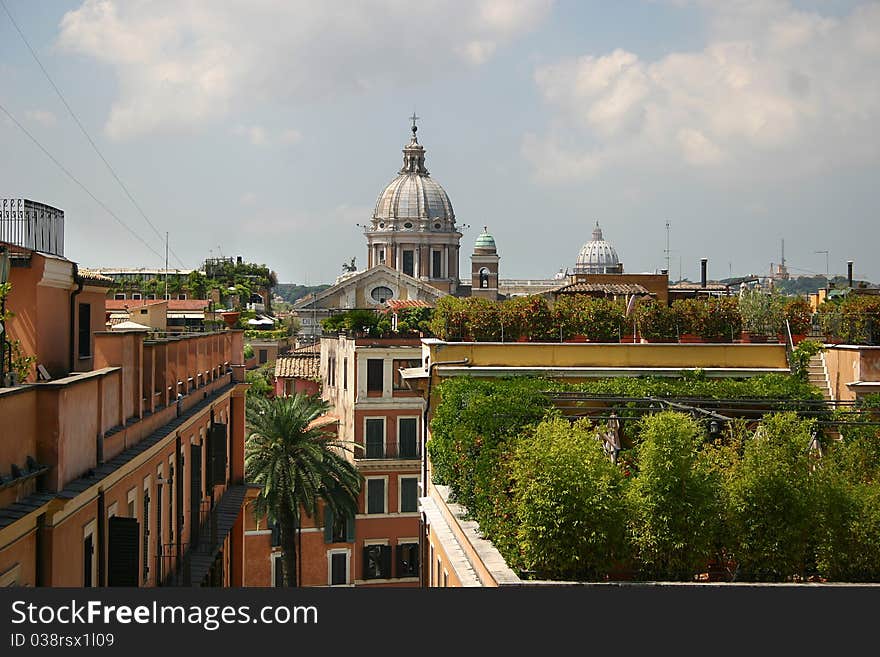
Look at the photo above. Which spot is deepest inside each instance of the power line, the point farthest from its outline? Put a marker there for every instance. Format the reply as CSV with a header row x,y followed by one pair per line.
x,y
83,129
76,180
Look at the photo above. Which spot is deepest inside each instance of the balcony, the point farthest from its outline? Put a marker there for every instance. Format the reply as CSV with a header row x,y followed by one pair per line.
x,y
408,450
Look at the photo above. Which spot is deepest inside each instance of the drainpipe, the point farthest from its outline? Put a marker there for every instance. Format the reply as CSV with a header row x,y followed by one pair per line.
x,y
79,287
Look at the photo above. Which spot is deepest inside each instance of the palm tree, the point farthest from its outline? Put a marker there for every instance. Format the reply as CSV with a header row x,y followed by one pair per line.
x,y
298,466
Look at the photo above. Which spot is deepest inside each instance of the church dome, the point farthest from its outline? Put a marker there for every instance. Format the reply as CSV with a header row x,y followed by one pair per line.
x,y
597,256
414,196
485,241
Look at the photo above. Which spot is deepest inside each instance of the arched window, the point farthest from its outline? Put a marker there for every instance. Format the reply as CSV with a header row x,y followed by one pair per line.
x,y
484,277
381,294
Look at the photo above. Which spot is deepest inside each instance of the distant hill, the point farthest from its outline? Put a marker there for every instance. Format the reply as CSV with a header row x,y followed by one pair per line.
x,y
291,292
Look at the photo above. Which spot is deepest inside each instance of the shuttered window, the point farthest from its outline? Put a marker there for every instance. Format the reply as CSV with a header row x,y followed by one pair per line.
x,y
409,494
217,454
338,530
375,496
338,568
122,551
408,437
375,438
377,562
375,374
84,334
408,560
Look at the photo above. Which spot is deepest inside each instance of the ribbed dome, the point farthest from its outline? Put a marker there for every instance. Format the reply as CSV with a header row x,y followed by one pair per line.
x,y
485,241
597,256
414,196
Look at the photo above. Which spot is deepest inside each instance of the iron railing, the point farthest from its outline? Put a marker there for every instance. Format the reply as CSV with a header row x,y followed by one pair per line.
x,y
390,450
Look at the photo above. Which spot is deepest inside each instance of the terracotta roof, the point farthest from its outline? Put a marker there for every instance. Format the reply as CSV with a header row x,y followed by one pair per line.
x,y
94,276
605,288
173,304
400,304
302,363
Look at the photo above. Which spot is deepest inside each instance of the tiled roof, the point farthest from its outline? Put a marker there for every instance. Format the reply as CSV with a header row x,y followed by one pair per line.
x,y
399,304
94,276
605,288
173,304
302,363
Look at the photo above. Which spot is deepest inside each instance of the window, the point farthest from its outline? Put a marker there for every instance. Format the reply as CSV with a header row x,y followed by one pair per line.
x,y
436,264
374,441
377,561
151,297
338,529
382,256
85,330
408,560
408,263
338,568
376,495
278,570
136,295
409,494
404,363
263,356
181,297
146,536
119,296
375,374
345,373
331,371
381,294
484,277
408,437
89,560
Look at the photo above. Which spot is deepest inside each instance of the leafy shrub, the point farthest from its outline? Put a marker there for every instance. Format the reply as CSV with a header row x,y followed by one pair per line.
x,y
723,319
801,355
799,314
656,321
772,505
761,312
674,500
568,500
690,315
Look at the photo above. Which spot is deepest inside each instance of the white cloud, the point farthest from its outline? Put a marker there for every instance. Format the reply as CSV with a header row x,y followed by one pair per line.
x,y
775,91
43,117
255,134
290,136
184,63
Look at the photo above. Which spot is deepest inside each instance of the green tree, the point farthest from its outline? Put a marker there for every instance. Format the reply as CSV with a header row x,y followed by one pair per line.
x,y
674,499
299,468
569,500
772,504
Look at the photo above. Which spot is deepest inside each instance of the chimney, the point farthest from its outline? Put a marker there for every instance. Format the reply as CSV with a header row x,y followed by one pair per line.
x,y
849,264
703,262
238,260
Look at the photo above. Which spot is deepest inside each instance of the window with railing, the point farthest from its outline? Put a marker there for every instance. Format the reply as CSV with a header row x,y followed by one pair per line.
x,y
374,439
408,437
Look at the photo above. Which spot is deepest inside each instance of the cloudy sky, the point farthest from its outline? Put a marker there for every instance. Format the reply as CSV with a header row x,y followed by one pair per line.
x,y
267,128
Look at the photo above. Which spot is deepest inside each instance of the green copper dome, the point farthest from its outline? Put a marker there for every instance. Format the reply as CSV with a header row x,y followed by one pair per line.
x,y
485,240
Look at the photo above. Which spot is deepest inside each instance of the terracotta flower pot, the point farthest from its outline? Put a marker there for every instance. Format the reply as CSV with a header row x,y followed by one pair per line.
x,y
230,318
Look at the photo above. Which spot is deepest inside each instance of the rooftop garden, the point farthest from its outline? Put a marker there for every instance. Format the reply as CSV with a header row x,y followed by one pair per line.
x,y
411,322
754,316
775,497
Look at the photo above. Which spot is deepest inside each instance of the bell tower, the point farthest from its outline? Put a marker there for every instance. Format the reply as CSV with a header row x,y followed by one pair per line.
x,y
484,267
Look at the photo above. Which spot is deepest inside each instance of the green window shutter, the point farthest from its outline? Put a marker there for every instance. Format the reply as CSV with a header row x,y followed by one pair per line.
x,y
349,529
328,525
375,439
409,495
386,561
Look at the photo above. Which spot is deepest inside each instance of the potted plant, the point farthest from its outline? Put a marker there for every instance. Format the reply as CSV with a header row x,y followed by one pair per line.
x,y
723,320
690,317
604,320
656,322
799,315
762,314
